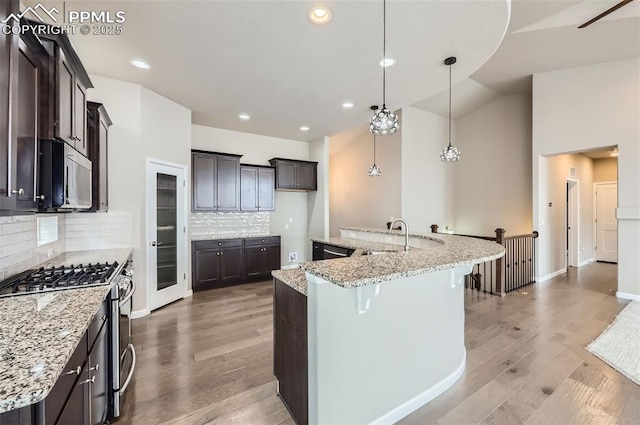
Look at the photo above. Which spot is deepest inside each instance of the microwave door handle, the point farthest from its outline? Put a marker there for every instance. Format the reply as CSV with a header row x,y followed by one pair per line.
x,y
124,386
129,294
66,184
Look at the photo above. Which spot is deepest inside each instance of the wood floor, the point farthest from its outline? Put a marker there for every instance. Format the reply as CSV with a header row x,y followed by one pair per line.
x,y
208,360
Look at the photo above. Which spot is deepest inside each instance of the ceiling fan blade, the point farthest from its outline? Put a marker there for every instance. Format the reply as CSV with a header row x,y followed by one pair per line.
x,y
605,13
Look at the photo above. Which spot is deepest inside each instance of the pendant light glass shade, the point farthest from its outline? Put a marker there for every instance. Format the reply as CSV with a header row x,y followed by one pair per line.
x,y
374,170
450,153
384,122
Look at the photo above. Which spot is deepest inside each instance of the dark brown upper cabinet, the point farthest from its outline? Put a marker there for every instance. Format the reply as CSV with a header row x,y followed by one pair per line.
x,y
67,116
98,123
8,86
257,185
215,180
295,175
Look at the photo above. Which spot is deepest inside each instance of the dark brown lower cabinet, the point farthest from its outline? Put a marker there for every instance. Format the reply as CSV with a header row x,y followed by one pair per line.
x,y
224,262
290,356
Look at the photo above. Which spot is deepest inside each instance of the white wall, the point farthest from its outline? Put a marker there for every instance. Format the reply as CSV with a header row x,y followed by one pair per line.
x,y
356,199
145,125
554,216
587,108
318,202
290,217
493,179
427,184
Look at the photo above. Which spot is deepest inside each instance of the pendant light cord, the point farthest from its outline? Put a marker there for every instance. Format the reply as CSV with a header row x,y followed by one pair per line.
x,y
449,105
384,53
374,149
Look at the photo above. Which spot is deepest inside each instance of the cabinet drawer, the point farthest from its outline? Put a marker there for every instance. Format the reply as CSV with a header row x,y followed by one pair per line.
x,y
269,240
96,324
220,243
64,385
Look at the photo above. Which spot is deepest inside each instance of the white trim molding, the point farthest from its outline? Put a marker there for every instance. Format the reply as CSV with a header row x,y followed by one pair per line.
x,y
188,294
139,313
585,262
552,275
627,296
424,397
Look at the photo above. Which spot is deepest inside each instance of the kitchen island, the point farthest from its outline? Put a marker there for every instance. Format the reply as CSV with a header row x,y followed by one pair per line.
x,y
385,333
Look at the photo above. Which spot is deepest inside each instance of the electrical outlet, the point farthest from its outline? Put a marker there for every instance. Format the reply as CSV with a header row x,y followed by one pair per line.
x,y
293,256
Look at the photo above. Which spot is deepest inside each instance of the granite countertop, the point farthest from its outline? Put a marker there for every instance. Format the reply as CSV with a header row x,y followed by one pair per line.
x,y
360,245
294,278
231,236
40,332
364,270
38,335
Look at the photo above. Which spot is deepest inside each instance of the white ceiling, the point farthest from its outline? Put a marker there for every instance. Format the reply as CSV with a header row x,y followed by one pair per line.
x,y
264,58
543,36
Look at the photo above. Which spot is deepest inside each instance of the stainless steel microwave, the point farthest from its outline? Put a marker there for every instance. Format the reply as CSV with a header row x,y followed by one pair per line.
x,y
65,176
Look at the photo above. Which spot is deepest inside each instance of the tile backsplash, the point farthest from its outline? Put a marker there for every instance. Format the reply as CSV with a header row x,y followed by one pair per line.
x,y
229,223
99,230
19,250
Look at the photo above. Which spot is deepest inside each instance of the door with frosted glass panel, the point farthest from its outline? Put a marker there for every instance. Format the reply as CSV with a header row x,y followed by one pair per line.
x,y
166,234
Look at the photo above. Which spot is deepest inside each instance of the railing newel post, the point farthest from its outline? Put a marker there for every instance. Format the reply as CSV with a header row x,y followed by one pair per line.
x,y
500,263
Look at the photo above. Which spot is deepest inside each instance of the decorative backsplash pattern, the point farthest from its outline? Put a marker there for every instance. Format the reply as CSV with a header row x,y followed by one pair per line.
x,y
19,250
229,223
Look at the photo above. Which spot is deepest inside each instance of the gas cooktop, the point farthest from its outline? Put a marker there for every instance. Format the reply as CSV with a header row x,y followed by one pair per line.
x,y
56,278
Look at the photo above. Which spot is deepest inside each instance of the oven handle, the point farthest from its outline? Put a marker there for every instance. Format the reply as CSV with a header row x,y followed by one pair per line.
x,y
129,294
133,367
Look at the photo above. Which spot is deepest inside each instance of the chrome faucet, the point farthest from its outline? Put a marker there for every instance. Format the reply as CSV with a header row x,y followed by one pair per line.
x,y
406,232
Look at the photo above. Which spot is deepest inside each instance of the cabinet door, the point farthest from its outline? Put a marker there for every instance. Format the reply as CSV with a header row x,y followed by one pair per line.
x,y
103,171
286,175
76,410
248,189
231,264
306,176
206,268
203,173
80,118
8,80
99,379
228,183
27,127
64,105
270,259
253,261
266,189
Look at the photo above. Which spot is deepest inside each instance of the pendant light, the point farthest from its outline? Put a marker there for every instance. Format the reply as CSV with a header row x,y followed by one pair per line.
x,y
450,153
374,170
384,122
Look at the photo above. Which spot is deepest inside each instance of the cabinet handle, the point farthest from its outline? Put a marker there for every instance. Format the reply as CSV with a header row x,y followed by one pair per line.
x,y
75,371
18,192
218,254
88,381
96,368
41,197
222,253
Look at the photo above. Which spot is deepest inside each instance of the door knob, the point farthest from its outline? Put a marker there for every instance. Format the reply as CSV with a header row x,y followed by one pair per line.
x,y
154,243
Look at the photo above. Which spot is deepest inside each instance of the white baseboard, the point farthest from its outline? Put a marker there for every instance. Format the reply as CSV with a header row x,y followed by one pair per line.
x,y
423,398
627,296
585,262
140,313
188,294
552,275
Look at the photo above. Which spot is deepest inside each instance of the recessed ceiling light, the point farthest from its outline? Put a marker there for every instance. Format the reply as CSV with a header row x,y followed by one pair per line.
x,y
320,15
347,104
244,117
387,62
139,63
304,128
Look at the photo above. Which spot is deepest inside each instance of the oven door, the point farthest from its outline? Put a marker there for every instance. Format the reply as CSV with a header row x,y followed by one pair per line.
x,y
124,355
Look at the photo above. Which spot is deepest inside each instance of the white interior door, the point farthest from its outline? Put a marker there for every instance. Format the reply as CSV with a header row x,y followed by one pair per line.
x,y
573,223
166,233
606,222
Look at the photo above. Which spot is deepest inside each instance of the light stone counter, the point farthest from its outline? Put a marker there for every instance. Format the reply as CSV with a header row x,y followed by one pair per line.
x,y
38,335
360,245
436,252
294,278
231,236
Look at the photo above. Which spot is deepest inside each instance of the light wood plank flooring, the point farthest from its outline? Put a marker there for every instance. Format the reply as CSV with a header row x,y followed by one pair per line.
x,y
208,360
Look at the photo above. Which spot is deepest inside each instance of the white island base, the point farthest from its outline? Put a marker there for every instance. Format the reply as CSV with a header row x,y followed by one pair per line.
x,y
381,351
